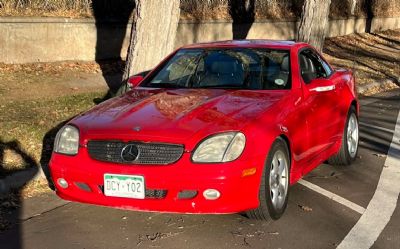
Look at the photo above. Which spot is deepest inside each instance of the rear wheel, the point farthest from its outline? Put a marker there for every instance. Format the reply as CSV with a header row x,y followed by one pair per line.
x,y
349,148
274,187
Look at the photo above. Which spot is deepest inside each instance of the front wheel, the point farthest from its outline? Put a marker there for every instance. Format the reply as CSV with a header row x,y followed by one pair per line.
x,y
274,187
349,148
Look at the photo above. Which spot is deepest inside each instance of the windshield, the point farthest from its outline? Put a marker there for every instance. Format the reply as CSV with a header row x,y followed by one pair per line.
x,y
242,68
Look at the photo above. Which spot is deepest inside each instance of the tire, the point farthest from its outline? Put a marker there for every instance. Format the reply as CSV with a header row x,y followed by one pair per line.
x,y
273,183
350,139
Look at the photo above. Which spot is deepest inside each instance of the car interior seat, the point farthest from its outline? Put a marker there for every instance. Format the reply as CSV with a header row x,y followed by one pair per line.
x,y
279,79
307,67
223,71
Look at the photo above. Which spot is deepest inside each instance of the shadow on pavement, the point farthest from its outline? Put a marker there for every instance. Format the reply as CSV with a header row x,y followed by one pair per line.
x,y
11,183
382,113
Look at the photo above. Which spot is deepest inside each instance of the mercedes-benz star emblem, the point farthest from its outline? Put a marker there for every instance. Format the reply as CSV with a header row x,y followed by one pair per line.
x,y
130,153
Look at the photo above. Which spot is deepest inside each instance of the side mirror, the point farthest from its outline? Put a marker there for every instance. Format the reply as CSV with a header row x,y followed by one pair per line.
x,y
134,81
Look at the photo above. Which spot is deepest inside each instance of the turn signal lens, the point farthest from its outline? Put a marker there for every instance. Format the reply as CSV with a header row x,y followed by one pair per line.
x,y
249,172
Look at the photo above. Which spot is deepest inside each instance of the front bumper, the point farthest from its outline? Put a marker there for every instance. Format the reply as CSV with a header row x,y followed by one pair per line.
x,y
238,192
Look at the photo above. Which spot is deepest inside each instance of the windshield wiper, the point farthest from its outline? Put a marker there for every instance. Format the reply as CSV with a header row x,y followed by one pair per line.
x,y
165,85
224,86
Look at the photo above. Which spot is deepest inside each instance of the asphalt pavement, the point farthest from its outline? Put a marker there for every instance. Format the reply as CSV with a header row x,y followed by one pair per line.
x,y
332,207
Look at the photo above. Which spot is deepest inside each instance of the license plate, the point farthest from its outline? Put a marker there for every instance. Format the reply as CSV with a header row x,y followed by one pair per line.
x,y
128,186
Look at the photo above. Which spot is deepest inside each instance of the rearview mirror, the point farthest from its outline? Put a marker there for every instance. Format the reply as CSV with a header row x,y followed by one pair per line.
x,y
134,81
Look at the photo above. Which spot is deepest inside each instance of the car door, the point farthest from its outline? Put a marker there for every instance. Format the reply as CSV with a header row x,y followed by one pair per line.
x,y
320,100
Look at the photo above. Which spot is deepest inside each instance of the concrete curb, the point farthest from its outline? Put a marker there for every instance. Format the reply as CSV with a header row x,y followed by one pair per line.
x,y
379,86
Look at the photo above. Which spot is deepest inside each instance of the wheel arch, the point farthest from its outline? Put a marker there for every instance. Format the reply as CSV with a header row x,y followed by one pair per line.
x,y
287,141
354,103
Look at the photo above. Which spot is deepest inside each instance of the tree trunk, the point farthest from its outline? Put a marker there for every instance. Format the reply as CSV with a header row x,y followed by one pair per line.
x,y
353,7
152,37
313,22
243,15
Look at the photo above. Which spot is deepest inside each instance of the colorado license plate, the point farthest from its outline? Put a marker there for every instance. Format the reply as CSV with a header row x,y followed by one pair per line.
x,y
128,186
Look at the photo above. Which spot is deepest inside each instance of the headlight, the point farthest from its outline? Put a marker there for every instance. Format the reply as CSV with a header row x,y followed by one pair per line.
x,y
67,140
224,147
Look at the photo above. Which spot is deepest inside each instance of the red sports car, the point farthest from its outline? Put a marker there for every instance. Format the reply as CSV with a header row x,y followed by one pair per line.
x,y
220,127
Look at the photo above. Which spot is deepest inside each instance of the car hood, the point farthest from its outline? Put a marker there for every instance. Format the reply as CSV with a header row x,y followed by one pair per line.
x,y
176,114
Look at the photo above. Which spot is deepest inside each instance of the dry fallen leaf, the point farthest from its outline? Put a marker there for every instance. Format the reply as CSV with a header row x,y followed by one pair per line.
x,y
305,208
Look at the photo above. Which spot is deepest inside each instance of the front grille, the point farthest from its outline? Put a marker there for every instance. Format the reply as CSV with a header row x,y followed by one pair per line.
x,y
149,193
155,193
148,153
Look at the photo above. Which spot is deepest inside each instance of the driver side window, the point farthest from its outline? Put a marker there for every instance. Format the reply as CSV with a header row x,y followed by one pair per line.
x,y
310,66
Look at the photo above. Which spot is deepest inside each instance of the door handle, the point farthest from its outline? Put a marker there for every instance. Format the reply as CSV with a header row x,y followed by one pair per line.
x,y
323,88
